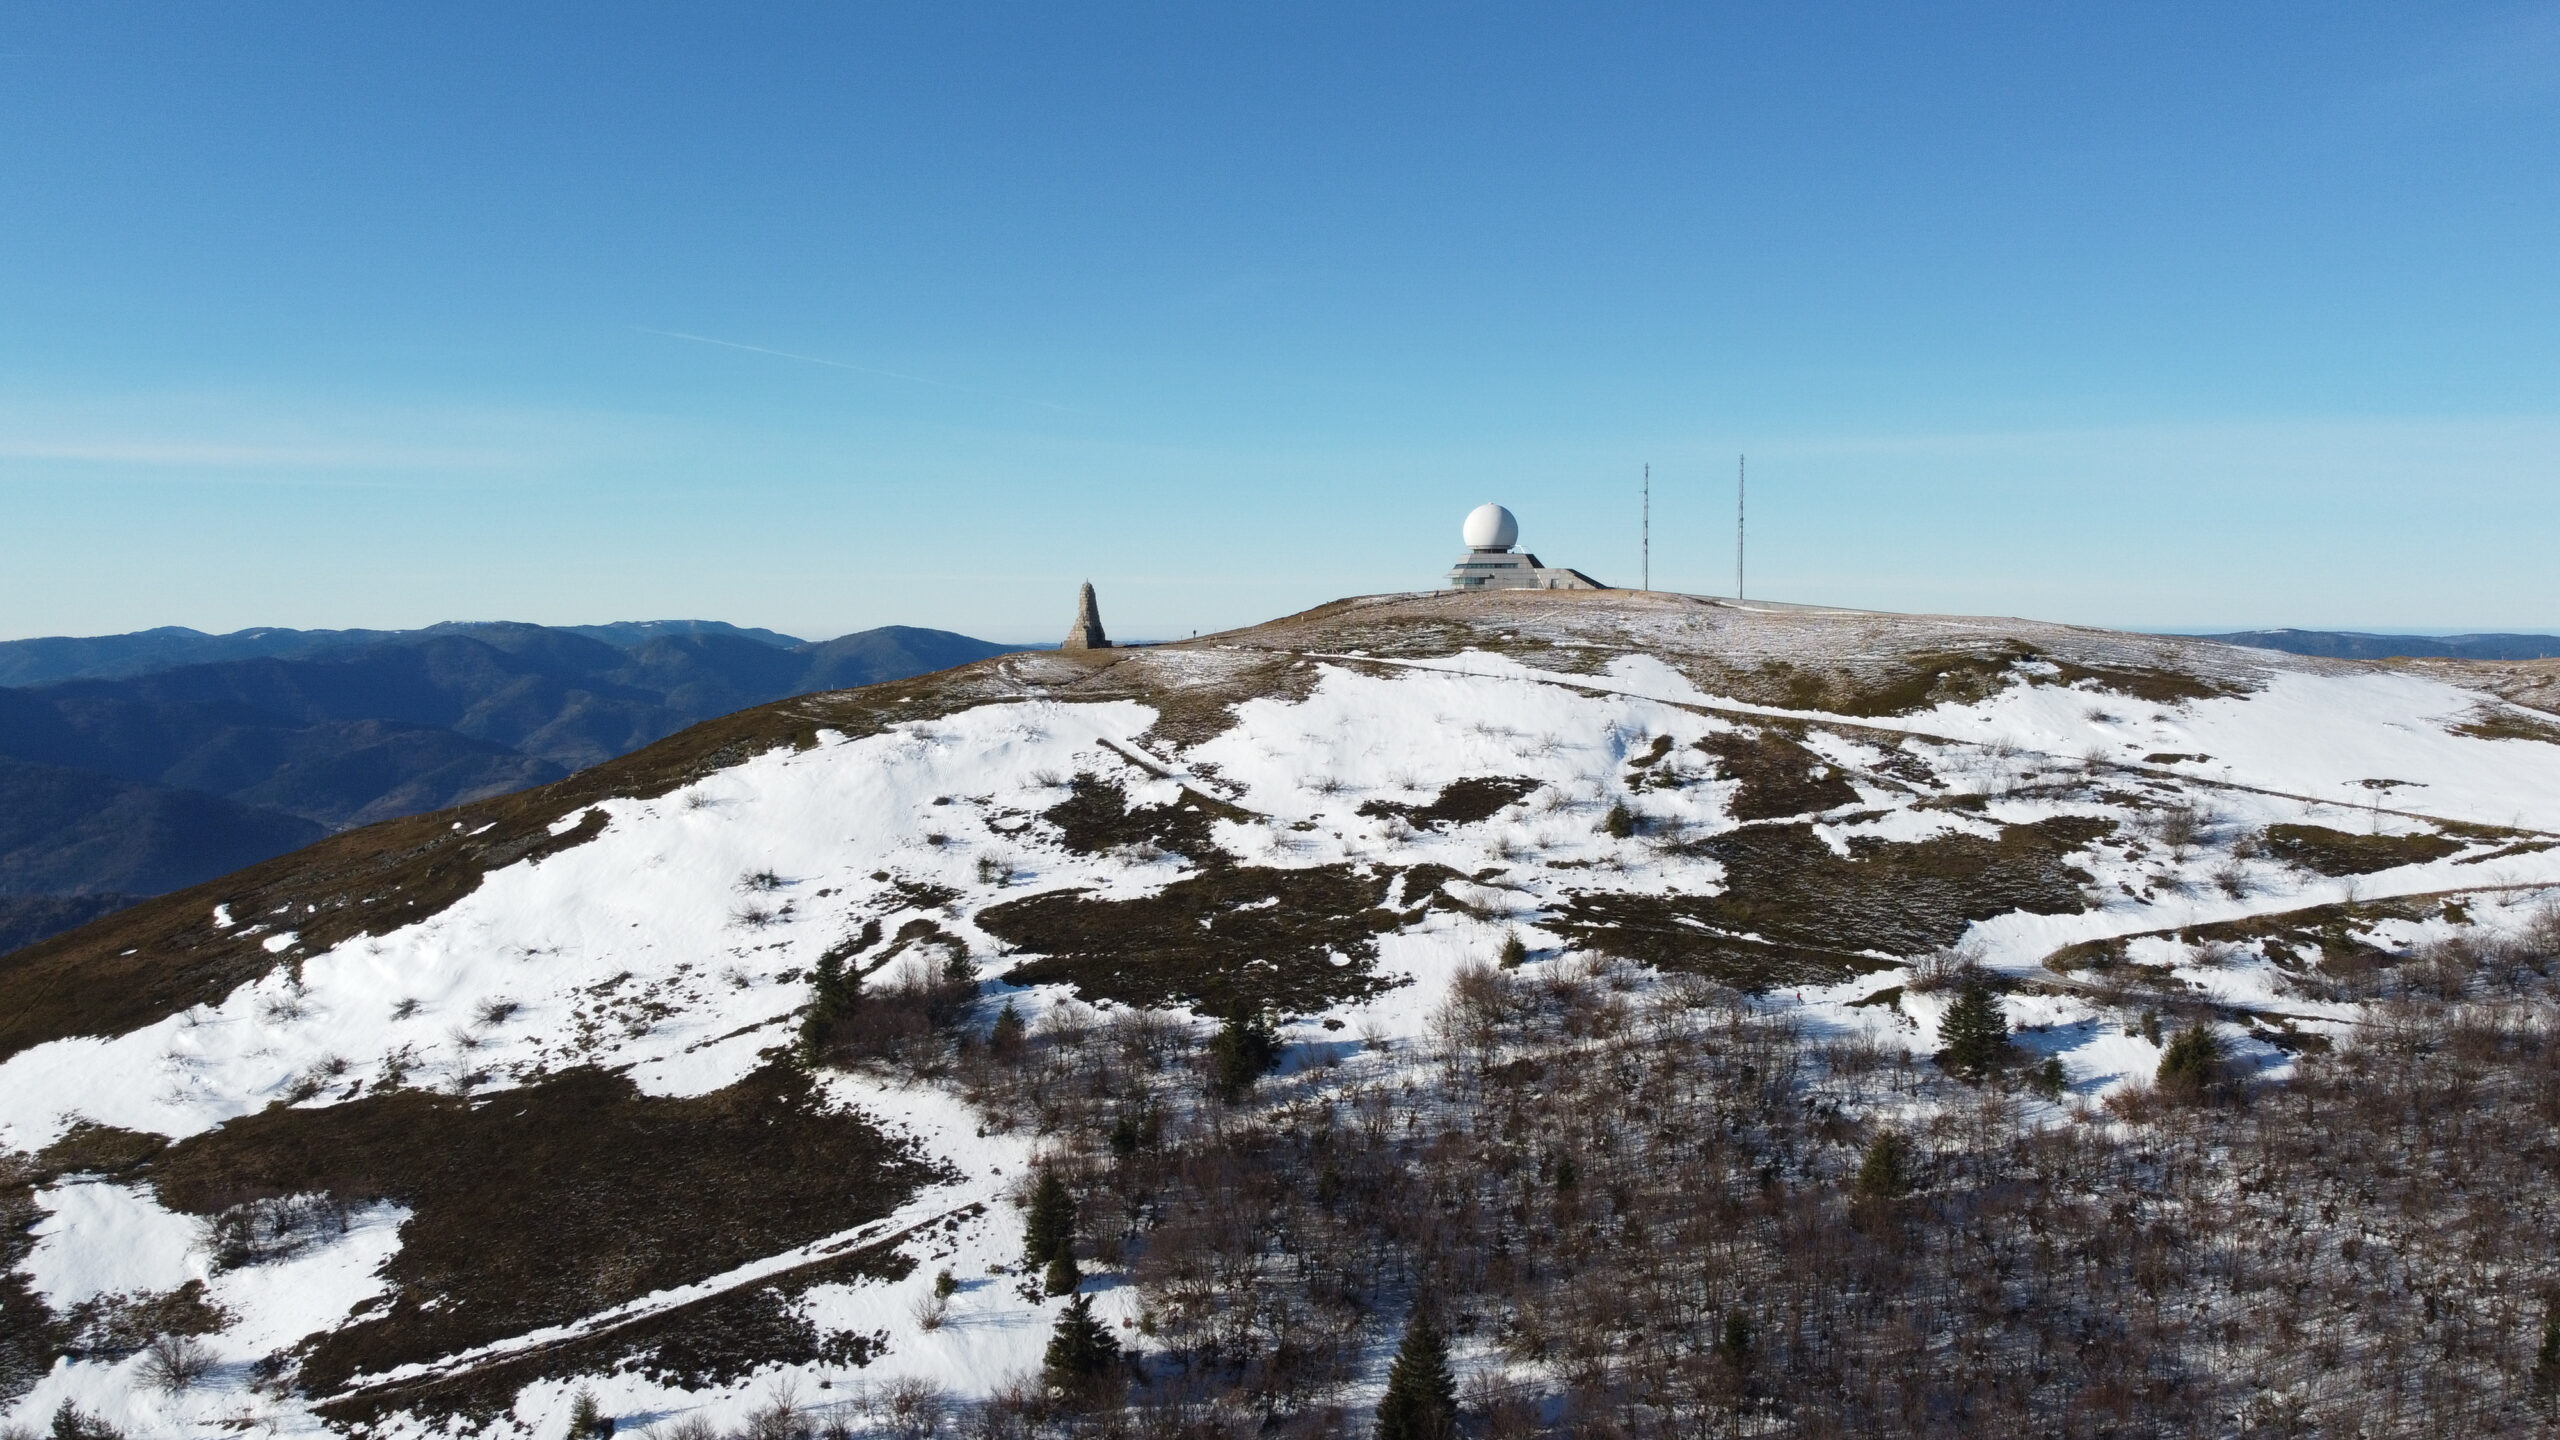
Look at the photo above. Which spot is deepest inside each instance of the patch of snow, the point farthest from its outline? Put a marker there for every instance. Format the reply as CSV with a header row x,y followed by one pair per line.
x,y
98,1238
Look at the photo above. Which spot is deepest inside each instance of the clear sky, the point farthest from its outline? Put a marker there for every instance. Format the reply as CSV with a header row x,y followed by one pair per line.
x,y
829,316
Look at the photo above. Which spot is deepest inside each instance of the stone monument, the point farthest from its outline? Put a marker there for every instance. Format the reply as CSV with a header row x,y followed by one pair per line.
x,y
1086,633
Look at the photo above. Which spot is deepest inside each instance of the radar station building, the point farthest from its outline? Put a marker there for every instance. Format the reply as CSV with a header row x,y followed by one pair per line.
x,y
1491,562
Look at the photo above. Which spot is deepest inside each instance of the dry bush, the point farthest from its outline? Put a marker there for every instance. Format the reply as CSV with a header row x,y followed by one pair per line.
x,y
172,1363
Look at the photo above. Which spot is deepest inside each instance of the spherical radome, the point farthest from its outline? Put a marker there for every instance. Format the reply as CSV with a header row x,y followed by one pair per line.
x,y
1490,527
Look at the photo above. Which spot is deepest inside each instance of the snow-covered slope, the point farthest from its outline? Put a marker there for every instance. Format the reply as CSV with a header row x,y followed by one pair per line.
x,y
1328,816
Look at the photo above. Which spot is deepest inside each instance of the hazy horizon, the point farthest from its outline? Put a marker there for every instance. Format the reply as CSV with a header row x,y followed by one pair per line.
x,y
819,319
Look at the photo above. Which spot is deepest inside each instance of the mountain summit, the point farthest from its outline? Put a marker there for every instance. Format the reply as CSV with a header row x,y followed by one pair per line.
x,y
1128,1034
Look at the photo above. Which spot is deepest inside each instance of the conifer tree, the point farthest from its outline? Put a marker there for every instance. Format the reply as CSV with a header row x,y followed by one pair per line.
x,y
2546,1364
1006,1038
1976,1031
1080,1348
72,1423
1062,1277
1049,1223
1735,1344
1885,1172
2191,1064
1247,1048
586,1420
1421,1402
832,994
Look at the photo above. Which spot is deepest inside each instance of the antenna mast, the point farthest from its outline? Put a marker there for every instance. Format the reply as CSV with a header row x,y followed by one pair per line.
x,y
1648,525
1741,486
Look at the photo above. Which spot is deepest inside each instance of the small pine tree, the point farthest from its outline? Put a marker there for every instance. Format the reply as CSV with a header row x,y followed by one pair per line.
x,y
1080,1350
71,1423
1247,1047
586,1420
1735,1344
1568,1174
833,992
2546,1364
1976,1031
1049,1223
2049,1080
1621,822
945,1284
1006,1038
1885,1172
1514,950
1421,1402
1062,1277
2191,1064
1126,1136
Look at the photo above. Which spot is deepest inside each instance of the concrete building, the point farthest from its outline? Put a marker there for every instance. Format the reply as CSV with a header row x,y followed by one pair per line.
x,y
1491,562
1086,633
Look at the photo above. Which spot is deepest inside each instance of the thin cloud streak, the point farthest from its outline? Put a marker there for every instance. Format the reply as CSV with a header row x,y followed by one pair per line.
x,y
843,365
200,455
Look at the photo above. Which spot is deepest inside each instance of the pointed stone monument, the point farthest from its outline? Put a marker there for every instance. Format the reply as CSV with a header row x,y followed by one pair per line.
x,y
1086,634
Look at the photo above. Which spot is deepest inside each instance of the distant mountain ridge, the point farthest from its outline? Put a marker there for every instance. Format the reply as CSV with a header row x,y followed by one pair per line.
x,y
2353,645
47,659
132,777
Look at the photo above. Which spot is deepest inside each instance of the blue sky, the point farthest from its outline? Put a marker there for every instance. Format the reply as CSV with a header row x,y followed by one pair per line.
x,y
824,317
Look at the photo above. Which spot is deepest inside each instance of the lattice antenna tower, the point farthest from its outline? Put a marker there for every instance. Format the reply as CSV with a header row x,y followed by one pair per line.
x,y
1741,487
1648,525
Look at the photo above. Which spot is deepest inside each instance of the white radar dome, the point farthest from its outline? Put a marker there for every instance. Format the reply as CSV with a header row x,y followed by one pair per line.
x,y
1490,527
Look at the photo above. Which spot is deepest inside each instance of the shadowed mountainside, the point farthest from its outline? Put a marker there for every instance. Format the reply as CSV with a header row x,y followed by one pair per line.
x,y
136,783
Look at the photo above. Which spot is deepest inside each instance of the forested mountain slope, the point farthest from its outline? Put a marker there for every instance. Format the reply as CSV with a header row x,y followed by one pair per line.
x,y
1711,1019
334,729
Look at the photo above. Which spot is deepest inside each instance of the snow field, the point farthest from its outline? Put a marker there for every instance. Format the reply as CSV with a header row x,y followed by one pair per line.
x,y
674,947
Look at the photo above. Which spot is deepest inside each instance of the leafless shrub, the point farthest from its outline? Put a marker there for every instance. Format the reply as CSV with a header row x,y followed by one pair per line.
x,y
1480,1000
282,1008
2443,968
1944,967
2232,879
396,1068
2541,934
406,1009
684,1427
762,882
463,1039
913,1408
172,1363
2214,954
995,869
1067,1025
2181,828
928,1311
781,1416
698,800
496,1010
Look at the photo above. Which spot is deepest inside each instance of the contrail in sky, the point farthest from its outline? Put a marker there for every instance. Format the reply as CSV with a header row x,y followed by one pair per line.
x,y
841,365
